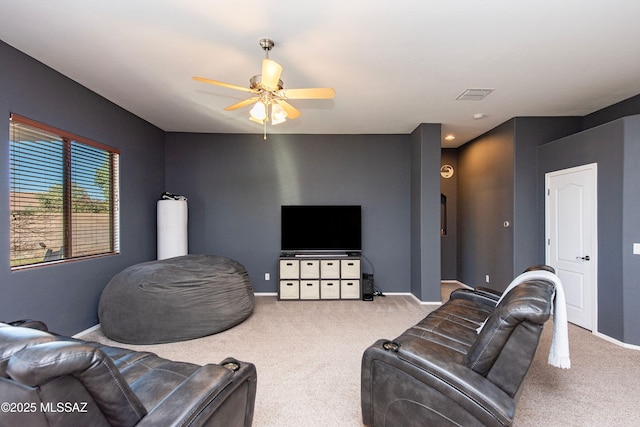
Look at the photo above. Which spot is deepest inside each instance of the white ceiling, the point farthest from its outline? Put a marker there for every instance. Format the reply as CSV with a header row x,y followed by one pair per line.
x,y
393,65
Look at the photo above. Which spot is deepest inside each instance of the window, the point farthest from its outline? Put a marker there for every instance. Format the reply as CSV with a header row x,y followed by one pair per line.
x,y
64,195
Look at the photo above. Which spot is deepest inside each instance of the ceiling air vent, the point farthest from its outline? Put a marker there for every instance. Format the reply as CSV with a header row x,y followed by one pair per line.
x,y
474,94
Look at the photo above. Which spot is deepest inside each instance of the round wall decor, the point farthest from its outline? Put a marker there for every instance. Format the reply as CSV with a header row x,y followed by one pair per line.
x,y
446,171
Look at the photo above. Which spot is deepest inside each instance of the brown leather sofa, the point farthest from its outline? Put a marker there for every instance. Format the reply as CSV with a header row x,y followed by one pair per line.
x,y
50,380
443,372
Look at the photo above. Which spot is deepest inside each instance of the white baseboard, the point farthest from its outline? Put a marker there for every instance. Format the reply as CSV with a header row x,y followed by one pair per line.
x,y
415,297
455,282
616,342
275,294
86,331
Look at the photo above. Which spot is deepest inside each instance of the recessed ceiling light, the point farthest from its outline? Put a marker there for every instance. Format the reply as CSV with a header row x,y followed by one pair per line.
x,y
450,137
478,116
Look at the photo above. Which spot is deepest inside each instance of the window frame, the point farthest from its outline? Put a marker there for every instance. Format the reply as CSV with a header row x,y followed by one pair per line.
x,y
68,139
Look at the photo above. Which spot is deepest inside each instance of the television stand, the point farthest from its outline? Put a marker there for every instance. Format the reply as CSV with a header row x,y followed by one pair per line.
x,y
336,276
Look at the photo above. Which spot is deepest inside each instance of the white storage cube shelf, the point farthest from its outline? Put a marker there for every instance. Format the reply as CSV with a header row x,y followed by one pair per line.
x,y
320,278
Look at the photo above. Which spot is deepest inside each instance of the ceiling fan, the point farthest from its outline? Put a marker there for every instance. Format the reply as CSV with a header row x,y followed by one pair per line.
x,y
268,93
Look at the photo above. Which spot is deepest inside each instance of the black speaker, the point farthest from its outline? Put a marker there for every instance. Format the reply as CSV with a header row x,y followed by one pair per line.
x,y
367,287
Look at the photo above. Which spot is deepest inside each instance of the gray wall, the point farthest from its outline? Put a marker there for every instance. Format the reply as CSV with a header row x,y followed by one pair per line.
x,y
485,201
628,325
614,147
235,185
425,212
65,296
529,133
448,242
497,183
631,230
627,107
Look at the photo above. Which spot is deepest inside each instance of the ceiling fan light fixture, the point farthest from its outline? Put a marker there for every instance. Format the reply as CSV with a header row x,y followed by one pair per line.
x,y
258,112
261,113
278,115
266,88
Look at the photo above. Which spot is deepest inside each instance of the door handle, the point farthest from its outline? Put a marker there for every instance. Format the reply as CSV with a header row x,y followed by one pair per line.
x,y
584,258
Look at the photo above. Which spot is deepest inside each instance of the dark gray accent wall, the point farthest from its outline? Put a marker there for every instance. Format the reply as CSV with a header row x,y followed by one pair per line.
x,y
448,241
425,212
485,201
631,230
614,147
529,133
236,184
66,296
497,183
625,108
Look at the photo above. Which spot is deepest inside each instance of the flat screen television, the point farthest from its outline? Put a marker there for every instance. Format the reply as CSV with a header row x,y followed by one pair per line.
x,y
329,228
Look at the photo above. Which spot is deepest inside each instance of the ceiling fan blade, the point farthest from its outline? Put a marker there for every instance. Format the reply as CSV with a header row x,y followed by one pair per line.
x,y
229,85
292,112
308,93
241,104
270,76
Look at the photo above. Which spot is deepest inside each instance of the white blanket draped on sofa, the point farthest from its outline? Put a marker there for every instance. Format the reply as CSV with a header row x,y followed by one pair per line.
x,y
559,351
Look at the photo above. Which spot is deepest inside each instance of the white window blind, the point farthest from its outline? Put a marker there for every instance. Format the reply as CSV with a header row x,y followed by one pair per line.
x,y
64,195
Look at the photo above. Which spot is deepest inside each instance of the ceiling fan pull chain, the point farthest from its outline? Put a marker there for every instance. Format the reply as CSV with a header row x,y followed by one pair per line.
x,y
264,127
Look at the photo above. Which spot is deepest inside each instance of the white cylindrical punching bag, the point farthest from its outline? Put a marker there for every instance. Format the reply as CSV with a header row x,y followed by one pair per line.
x,y
172,228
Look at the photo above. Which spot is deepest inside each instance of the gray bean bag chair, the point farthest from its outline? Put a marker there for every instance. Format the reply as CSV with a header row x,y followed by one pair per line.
x,y
175,299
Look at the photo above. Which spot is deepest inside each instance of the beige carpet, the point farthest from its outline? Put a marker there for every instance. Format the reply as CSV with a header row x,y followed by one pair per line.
x,y
307,354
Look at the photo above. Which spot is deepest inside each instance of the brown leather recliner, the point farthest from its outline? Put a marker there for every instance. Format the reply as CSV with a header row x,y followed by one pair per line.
x,y
50,380
443,372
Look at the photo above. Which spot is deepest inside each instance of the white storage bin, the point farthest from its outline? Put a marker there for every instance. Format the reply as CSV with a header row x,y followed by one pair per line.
x,y
289,268
350,289
350,268
330,289
330,268
309,269
310,289
289,289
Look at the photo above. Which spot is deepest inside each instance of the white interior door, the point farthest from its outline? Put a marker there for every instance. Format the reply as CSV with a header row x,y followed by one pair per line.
x,y
571,233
